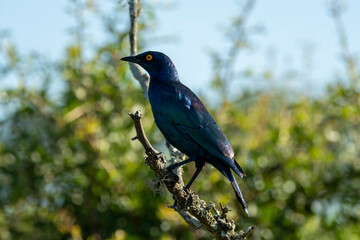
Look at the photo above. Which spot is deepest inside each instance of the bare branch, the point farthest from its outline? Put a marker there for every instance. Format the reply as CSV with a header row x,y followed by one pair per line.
x,y
140,134
191,220
248,231
137,72
194,210
175,156
143,78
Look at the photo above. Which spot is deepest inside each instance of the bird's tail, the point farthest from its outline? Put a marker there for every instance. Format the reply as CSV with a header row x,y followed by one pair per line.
x,y
240,169
237,190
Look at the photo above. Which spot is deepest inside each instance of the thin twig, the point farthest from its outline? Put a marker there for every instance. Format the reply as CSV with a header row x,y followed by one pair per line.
x,y
140,134
248,231
137,72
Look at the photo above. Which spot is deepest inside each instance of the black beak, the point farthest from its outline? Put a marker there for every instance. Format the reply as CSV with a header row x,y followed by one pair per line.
x,y
133,59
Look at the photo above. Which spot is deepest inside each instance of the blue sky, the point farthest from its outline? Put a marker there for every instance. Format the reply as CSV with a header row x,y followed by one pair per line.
x,y
42,25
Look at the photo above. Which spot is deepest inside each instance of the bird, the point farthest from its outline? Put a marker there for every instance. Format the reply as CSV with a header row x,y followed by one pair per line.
x,y
185,122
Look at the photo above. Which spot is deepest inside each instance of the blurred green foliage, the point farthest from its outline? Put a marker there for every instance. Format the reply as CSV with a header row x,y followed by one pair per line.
x,y
68,169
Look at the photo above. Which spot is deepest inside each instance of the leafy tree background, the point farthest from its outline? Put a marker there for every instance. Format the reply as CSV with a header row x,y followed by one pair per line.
x,y
68,169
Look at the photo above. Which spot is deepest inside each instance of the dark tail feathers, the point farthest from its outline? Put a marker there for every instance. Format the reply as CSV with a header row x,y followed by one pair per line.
x,y
228,174
239,196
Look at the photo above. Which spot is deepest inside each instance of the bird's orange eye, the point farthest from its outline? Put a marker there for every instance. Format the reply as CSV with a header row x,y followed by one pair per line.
x,y
148,57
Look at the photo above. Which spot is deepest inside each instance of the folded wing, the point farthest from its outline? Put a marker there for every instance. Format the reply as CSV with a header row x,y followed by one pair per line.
x,y
185,110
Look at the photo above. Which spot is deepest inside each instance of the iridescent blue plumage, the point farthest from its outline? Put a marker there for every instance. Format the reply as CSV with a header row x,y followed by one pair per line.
x,y
185,122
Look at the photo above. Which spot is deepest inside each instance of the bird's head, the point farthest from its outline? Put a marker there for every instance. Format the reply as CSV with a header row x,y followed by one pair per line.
x,y
157,64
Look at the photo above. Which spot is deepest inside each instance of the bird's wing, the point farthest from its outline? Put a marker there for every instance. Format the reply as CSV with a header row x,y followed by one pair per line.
x,y
184,109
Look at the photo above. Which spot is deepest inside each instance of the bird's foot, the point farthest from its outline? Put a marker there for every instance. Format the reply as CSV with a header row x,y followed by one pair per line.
x,y
171,167
158,153
187,190
173,206
173,175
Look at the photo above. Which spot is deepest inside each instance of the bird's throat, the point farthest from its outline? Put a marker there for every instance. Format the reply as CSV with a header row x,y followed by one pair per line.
x,y
165,75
